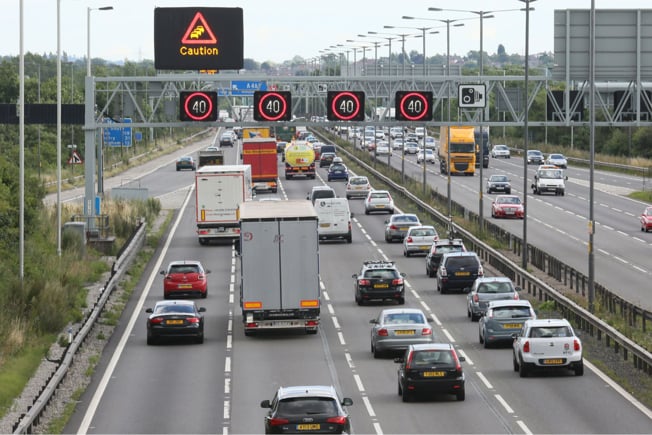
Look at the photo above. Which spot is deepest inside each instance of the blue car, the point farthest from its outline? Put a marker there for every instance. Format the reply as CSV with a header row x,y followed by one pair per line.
x,y
338,171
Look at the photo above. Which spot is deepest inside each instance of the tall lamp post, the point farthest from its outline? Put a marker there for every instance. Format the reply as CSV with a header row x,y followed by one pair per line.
x,y
524,256
59,128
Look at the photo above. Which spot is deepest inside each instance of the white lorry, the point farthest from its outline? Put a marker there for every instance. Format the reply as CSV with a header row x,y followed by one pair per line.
x,y
549,178
279,266
219,191
547,344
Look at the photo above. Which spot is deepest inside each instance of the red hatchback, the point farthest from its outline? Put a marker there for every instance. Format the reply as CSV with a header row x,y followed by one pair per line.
x,y
646,219
185,278
507,206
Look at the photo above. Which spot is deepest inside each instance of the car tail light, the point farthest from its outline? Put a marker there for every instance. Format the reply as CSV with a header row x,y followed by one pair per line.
x,y
192,319
397,281
155,320
480,271
442,272
476,298
576,345
408,239
383,332
201,277
434,239
526,347
364,282
426,331
340,419
278,421
516,296
408,363
393,227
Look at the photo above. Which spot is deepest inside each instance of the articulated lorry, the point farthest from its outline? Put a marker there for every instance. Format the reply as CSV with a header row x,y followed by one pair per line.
x,y
279,266
219,191
482,147
461,146
260,154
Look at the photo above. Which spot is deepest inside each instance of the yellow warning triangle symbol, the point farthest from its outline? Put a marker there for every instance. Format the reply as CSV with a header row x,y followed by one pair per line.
x,y
199,32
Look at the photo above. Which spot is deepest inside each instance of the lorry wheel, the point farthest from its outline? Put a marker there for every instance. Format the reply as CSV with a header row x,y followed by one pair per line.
x,y
248,333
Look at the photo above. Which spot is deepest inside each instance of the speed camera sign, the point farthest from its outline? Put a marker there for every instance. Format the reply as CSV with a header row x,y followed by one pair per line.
x,y
472,96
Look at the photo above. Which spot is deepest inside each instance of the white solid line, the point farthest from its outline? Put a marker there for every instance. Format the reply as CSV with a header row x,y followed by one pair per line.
x,y
524,427
104,382
631,399
358,382
367,405
500,399
485,381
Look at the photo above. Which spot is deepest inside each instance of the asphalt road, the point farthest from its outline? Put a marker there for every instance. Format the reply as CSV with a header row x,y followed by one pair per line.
x,y
217,386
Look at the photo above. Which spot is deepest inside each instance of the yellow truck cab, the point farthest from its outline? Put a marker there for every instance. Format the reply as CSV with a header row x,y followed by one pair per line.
x,y
461,147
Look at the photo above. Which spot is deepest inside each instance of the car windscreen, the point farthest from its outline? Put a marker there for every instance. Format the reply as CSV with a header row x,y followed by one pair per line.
x,y
174,309
307,406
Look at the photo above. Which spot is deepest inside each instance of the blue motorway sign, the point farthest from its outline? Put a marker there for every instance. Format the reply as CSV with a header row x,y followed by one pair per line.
x,y
244,87
117,136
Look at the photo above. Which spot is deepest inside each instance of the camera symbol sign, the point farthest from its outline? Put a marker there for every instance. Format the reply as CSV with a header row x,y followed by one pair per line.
x,y
472,96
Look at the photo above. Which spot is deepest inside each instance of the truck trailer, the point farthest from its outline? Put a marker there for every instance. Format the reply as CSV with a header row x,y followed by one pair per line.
x,y
260,154
219,191
279,266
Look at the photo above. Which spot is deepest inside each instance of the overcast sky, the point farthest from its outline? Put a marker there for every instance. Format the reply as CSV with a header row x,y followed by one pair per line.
x,y
278,30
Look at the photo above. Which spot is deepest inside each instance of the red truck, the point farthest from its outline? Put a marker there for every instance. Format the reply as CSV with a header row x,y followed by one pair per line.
x,y
260,153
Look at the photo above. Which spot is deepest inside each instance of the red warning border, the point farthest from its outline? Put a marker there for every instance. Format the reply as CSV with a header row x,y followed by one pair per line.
x,y
199,19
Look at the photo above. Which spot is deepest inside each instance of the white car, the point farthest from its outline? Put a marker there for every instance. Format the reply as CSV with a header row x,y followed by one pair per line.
x,y
382,148
379,200
395,132
429,156
420,132
558,160
431,142
500,151
419,239
397,144
410,148
547,344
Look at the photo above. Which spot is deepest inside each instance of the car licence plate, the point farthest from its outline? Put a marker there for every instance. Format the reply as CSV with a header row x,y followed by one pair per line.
x,y
404,332
510,211
553,361
185,286
433,374
312,426
462,273
423,248
380,206
324,225
174,322
381,285
403,228
512,325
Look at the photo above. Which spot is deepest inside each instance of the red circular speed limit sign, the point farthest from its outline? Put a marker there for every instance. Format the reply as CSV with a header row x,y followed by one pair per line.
x,y
272,106
345,106
198,106
413,106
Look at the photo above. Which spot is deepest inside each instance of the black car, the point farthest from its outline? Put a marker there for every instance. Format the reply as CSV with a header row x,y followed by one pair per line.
x,y
178,318
458,271
430,369
438,249
326,159
379,280
307,409
535,157
499,183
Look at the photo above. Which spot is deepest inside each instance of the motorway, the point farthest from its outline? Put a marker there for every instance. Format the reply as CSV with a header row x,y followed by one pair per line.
x,y
217,387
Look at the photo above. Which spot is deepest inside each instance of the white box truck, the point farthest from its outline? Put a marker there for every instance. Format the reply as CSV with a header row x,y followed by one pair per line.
x,y
219,191
279,266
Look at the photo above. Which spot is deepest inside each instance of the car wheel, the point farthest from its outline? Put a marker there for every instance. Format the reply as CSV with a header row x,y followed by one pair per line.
x,y
348,197
480,339
249,333
400,390
474,316
514,362
401,301
406,253
150,340
204,295
579,369
407,396
366,212
349,238
461,395
377,354
200,339
387,238
523,370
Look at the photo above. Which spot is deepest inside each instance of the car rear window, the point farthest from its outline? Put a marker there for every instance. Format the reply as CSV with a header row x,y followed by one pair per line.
x,y
185,268
511,312
174,309
307,406
495,287
358,181
429,357
381,274
396,319
444,249
379,195
457,262
550,331
405,219
422,232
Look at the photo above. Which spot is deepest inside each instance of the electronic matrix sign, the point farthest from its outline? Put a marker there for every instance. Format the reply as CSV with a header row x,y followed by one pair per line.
x,y
198,106
345,106
413,106
272,106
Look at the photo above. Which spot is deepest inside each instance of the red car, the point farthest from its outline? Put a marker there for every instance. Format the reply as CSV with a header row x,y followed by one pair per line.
x,y
646,219
185,278
507,206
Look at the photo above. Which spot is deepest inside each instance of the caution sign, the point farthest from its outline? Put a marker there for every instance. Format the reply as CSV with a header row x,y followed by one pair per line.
x,y
198,38
75,159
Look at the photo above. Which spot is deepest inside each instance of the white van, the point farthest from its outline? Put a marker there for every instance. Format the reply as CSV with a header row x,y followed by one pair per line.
x,y
334,218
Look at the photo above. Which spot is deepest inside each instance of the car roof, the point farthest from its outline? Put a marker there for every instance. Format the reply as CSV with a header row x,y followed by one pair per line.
x,y
321,187
179,262
460,254
421,227
547,322
307,390
184,302
449,242
403,215
493,279
402,311
432,346
510,303
352,177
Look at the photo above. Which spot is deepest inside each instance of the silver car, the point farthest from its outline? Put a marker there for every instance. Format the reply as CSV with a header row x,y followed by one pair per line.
x,y
396,227
558,160
379,200
502,319
357,186
394,329
419,239
487,289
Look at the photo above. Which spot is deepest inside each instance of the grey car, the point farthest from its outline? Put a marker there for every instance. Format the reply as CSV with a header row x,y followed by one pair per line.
x,y
397,226
394,329
487,289
499,183
502,319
